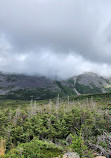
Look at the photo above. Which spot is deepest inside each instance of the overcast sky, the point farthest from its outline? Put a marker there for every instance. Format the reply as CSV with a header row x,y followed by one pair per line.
x,y
55,38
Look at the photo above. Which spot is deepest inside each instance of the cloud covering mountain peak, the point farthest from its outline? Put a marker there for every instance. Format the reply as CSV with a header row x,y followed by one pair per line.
x,y
55,38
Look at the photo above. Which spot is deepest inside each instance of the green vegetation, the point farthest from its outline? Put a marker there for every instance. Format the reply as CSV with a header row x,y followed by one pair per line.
x,y
65,90
82,89
28,94
35,149
41,128
78,143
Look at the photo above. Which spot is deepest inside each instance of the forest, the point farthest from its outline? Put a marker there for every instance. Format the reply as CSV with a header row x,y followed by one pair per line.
x,y
51,128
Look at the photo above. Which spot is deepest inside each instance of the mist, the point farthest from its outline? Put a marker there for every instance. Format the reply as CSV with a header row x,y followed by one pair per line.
x,y
55,38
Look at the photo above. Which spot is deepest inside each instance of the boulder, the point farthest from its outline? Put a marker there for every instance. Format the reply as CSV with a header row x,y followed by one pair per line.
x,y
71,155
100,157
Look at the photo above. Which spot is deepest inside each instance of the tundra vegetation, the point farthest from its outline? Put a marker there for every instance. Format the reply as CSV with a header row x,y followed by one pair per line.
x,y
47,129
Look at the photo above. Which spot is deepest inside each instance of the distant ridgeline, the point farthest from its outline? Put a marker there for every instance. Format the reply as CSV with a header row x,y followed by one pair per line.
x,y
39,88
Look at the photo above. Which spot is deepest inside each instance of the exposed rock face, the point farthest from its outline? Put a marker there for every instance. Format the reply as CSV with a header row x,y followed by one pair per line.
x,y
15,82
82,84
88,78
90,82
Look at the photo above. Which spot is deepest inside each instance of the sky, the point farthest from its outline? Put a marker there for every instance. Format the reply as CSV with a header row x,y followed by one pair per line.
x,y
55,38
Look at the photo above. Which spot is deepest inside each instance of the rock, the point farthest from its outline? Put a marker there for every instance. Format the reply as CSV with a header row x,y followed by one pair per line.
x,y
100,157
71,155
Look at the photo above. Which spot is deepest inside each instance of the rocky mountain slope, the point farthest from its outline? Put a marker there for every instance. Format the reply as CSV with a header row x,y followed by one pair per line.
x,y
91,83
23,87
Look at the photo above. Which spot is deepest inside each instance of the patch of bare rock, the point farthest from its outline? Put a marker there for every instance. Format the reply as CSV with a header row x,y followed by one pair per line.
x,y
100,157
70,155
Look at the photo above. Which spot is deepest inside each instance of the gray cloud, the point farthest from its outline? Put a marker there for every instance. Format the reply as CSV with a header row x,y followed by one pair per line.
x,y
55,38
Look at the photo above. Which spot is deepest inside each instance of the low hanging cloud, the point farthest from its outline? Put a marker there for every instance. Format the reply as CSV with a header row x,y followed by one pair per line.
x,y
55,38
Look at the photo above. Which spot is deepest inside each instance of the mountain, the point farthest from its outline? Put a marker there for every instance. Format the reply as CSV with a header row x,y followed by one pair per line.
x,y
91,83
26,87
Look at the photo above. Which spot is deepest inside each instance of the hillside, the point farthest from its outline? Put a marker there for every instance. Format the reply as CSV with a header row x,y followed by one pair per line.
x,y
27,87
91,83
49,129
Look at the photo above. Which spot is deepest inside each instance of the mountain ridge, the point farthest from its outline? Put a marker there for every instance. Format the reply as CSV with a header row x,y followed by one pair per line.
x,y
22,86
